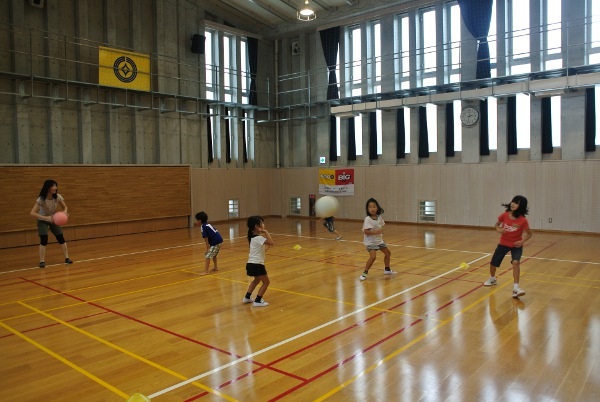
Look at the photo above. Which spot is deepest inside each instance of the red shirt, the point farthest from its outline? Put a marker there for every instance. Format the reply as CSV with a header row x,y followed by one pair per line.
x,y
513,229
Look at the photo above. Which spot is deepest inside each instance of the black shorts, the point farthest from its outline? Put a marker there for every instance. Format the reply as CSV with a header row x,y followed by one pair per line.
x,y
515,252
255,269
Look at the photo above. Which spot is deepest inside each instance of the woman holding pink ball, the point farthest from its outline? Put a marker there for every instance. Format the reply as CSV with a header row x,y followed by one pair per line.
x,y
44,210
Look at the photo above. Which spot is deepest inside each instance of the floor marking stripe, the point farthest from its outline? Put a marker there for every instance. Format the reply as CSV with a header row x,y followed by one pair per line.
x,y
65,361
408,345
314,329
127,352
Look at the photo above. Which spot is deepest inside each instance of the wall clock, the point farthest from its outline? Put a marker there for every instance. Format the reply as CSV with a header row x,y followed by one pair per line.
x,y
469,116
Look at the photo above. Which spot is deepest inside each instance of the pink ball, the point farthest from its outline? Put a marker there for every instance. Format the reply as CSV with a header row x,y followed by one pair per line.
x,y
60,218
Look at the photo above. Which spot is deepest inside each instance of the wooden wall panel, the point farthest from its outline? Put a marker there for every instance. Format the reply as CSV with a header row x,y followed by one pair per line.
x,y
97,196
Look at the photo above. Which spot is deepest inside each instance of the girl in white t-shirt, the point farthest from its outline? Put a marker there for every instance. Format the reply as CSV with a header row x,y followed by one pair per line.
x,y
259,240
373,239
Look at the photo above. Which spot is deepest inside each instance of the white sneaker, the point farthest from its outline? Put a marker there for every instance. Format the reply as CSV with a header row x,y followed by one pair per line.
x,y
490,282
261,303
518,292
246,300
363,277
389,272
339,238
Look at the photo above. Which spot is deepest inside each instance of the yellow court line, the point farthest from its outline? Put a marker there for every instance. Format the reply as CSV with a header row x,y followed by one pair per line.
x,y
101,298
324,298
65,361
125,351
408,345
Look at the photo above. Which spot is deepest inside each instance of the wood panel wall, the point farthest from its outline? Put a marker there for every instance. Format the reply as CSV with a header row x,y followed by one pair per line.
x,y
102,200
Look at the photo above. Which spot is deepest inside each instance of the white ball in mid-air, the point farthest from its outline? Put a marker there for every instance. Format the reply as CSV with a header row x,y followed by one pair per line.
x,y
326,206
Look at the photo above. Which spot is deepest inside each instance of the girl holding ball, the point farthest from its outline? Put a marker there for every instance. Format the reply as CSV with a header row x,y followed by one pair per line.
x,y
259,240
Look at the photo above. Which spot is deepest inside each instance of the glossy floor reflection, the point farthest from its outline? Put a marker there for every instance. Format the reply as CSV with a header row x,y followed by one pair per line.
x,y
133,314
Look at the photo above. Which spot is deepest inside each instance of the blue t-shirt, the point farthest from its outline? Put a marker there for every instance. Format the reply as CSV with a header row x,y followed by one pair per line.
x,y
214,237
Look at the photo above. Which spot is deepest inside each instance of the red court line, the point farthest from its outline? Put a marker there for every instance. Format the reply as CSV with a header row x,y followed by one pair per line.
x,y
128,317
55,324
350,358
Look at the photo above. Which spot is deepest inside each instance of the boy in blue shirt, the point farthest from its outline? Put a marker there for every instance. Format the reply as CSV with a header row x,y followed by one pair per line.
x,y
212,238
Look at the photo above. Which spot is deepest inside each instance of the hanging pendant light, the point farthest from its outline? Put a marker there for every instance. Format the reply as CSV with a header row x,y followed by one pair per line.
x,y
306,12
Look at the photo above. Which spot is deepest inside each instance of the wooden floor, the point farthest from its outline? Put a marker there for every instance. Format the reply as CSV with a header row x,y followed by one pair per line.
x,y
133,315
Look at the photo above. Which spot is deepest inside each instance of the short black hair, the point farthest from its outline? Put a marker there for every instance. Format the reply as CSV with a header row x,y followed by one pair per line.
x,y
202,217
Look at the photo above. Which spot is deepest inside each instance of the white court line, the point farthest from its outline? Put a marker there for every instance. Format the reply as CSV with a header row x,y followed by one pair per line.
x,y
389,244
314,329
118,255
559,260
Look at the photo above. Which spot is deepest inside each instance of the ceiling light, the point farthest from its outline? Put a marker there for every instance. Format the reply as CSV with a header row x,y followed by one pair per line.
x,y
306,12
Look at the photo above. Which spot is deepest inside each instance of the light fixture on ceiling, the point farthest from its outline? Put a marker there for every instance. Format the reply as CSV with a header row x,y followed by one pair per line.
x,y
306,12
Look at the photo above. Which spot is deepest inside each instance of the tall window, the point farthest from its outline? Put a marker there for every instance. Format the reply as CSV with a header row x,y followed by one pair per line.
x,y
593,32
216,129
493,43
379,132
597,94
407,130
355,74
457,107
523,121
517,45
426,54
555,103
229,70
452,43
354,69
432,126
492,103
210,57
338,139
358,134
551,34
244,71
401,52
374,51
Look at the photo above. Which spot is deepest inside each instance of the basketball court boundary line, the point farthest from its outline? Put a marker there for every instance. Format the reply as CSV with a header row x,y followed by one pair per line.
x,y
314,329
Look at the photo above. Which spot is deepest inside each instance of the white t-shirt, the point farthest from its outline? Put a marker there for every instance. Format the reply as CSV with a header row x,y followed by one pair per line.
x,y
370,223
257,251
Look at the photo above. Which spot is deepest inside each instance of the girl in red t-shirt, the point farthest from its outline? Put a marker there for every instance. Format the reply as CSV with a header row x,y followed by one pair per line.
x,y
511,224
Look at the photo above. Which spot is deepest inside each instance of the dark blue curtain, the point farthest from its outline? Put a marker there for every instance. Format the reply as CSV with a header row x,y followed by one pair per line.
x,y
449,129
423,133
351,140
400,134
477,15
590,120
547,146
484,130
372,135
227,137
253,64
330,40
209,134
511,123
332,139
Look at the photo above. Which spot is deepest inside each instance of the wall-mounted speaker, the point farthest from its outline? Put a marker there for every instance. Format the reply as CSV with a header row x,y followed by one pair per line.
x,y
198,43
296,49
36,3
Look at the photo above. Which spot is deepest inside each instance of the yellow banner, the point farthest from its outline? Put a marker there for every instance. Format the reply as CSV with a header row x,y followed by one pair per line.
x,y
121,69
